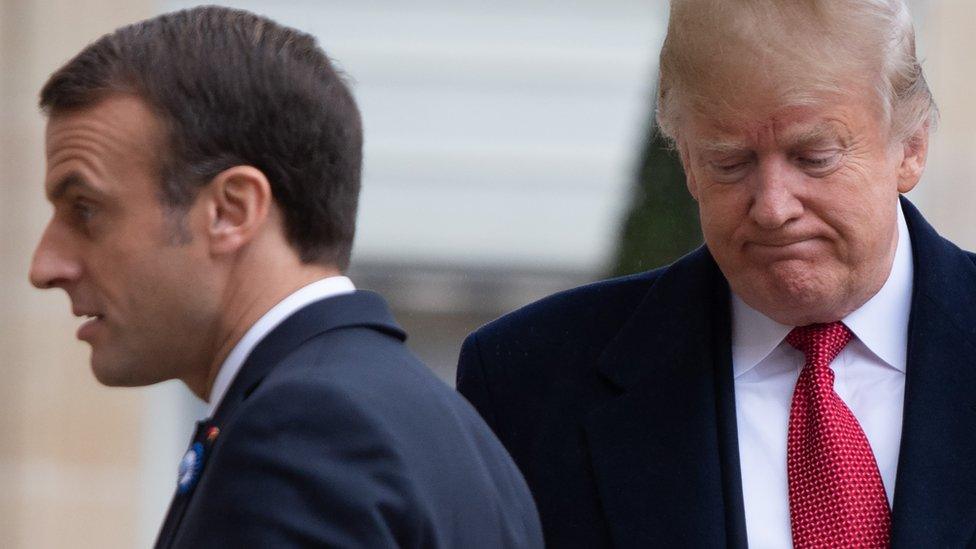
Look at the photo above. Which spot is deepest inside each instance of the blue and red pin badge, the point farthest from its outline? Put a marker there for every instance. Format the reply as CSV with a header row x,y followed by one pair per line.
x,y
192,462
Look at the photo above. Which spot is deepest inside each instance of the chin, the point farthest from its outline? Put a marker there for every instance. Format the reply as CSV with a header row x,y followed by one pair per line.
x,y
109,377
795,295
116,373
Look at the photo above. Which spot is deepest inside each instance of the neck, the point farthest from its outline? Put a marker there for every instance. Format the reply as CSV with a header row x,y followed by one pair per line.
x,y
249,295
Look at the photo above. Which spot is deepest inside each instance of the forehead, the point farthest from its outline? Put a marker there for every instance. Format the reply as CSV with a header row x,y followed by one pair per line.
x,y
116,140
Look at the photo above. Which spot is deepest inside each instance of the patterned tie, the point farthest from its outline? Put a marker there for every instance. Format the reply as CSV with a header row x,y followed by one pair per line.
x,y
837,498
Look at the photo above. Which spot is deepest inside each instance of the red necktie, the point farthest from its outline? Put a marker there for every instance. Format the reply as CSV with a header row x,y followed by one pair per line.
x,y
837,498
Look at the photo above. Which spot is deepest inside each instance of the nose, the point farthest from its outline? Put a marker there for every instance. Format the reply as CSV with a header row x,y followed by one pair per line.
x,y
775,201
52,266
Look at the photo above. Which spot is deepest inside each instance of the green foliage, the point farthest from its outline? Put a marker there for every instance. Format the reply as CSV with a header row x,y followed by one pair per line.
x,y
662,223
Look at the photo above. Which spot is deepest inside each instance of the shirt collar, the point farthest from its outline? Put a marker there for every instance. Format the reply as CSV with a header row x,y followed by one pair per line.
x,y
321,289
881,324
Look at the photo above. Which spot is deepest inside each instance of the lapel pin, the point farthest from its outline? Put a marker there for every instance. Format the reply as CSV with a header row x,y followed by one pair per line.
x,y
190,467
212,434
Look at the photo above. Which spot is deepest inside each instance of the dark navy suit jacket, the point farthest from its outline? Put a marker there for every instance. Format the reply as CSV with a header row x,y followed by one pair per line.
x,y
616,401
334,435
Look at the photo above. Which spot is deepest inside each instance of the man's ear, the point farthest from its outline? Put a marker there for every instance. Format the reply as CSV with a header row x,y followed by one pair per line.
x,y
240,203
916,148
690,180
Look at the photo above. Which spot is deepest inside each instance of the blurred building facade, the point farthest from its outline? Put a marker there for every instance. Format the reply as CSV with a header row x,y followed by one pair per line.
x,y
501,139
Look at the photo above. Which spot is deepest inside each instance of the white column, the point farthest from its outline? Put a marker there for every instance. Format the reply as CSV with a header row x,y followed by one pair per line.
x,y
70,449
947,43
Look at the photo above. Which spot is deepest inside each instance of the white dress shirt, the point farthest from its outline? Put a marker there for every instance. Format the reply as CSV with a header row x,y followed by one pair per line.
x,y
321,289
869,378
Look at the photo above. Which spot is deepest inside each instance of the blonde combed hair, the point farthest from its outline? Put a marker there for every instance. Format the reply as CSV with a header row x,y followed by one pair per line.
x,y
791,52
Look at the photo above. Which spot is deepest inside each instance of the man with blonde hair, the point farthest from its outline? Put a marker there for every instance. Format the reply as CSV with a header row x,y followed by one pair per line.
x,y
805,378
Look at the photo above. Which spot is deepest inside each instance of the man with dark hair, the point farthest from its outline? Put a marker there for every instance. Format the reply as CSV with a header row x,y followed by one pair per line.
x,y
807,377
204,170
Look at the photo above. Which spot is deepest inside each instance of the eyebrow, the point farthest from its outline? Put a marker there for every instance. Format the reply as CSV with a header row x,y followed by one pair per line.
x,y
803,138
723,146
68,182
817,134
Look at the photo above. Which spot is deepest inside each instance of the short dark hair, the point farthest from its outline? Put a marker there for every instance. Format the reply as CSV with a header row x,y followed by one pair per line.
x,y
234,88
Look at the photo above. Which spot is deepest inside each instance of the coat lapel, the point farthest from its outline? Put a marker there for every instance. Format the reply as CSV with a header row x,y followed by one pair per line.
x,y
664,451
358,309
935,490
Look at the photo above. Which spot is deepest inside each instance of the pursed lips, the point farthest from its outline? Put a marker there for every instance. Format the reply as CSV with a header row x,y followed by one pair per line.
x,y
783,246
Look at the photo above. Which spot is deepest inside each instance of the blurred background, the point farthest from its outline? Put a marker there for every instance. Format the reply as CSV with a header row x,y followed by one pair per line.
x,y
509,155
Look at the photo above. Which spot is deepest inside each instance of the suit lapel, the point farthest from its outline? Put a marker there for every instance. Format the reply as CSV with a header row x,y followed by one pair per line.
x,y
935,490
664,451
358,309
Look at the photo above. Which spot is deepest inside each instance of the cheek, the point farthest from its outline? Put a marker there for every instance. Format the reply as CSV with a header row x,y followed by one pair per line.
x,y
722,213
863,221
870,235
151,282
115,278
191,285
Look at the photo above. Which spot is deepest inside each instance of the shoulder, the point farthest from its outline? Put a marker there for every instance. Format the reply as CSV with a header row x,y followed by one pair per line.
x,y
368,426
548,347
360,386
592,311
297,411
355,374
346,423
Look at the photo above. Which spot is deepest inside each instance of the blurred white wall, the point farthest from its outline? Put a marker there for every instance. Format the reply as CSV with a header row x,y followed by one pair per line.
x,y
497,133
947,45
69,449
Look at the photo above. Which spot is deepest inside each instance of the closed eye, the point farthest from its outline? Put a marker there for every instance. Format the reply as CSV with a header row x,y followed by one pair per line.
x,y
730,170
814,162
820,163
